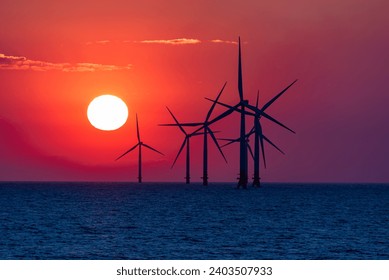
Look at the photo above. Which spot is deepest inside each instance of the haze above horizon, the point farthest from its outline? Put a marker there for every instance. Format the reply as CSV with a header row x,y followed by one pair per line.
x,y
56,57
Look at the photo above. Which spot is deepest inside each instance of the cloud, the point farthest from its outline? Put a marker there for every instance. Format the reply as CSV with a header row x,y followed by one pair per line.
x,y
223,42
9,62
181,41
185,41
101,42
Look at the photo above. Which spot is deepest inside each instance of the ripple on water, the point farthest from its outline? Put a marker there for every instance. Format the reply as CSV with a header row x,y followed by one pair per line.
x,y
176,221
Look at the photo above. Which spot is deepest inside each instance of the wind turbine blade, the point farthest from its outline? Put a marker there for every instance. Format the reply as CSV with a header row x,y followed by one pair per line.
x,y
197,130
236,108
271,143
151,148
137,128
277,96
251,132
250,150
128,151
277,122
240,80
214,103
256,103
179,151
228,139
179,125
260,134
220,103
263,149
229,143
196,134
223,115
216,143
261,113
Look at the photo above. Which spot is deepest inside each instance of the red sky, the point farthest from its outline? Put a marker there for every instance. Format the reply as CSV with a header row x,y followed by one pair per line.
x,y
56,56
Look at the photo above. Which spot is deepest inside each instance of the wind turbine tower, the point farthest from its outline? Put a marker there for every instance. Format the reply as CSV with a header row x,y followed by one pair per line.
x,y
243,161
205,128
139,144
259,137
186,143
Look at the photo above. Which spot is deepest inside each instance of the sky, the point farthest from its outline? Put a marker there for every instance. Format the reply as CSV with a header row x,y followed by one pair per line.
x,y
56,56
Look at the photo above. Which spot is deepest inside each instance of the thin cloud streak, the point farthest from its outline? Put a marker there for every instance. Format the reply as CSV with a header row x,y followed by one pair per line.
x,y
9,62
184,41
101,42
218,41
181,41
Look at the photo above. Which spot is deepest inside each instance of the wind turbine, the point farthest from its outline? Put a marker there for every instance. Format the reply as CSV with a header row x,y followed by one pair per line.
x,y
187,143
259,137
243,162
237,140
139,144
257,129
243,104
258,140
205,126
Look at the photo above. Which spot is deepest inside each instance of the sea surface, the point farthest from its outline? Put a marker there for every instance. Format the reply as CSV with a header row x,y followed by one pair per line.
x,y
178,221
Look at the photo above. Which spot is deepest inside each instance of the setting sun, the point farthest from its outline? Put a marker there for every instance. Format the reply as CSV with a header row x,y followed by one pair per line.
x,y
107,112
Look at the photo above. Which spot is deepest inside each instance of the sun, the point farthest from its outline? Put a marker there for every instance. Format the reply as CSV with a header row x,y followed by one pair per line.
x,y
107,112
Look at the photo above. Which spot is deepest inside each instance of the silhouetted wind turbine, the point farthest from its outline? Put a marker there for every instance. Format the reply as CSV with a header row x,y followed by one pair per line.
x,y
243,167
243,104
206,130
187,143
205,126
243,162
259,137
139,144
237,140
258,140
257,129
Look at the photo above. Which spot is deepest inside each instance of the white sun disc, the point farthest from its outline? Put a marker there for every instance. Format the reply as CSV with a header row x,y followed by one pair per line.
x,y
107,112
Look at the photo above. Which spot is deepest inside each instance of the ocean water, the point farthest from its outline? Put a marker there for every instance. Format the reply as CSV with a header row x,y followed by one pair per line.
x,y
178,221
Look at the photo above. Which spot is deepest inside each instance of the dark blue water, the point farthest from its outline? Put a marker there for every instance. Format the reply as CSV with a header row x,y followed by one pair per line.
x,y
176,221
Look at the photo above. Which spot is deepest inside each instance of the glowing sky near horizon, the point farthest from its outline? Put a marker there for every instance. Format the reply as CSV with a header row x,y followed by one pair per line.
x,y
56,56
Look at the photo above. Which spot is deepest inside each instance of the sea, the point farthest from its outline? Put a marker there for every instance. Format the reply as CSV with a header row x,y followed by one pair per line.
x,y
170,221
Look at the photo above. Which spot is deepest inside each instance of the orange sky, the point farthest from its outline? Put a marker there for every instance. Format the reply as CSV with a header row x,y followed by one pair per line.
x,y
56,56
